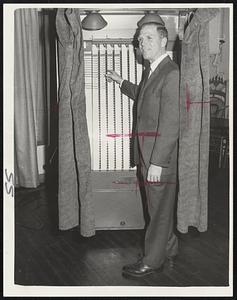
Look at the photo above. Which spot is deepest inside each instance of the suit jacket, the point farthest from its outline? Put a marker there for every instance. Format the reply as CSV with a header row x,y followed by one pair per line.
x,y
157,119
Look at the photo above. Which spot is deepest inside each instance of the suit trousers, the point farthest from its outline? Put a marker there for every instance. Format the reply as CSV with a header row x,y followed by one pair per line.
x,y
160,240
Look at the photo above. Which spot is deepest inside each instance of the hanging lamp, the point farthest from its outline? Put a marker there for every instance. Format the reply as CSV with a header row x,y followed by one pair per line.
x,y
93,21
151,17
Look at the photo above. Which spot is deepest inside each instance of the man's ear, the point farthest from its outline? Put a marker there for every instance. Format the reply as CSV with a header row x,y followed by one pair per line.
x,y
164,42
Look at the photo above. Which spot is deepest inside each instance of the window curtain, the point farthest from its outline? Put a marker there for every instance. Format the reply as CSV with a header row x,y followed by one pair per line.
x,y
28,97
192,208
75,191
32,80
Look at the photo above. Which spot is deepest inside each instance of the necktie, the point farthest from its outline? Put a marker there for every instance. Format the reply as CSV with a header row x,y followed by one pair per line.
x,y
148,73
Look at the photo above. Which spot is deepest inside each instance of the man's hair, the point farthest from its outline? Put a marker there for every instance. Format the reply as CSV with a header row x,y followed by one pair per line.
x,y
163,32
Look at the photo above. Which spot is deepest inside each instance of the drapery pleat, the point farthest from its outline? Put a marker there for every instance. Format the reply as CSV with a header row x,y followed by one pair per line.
x,y
75,192
26,92
192,208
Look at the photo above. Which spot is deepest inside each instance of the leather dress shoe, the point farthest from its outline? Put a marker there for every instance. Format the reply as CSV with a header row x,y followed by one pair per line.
x,y
126,267
139,269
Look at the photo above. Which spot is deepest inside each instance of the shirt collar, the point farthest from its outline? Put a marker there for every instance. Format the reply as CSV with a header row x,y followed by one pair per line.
x,y
155,63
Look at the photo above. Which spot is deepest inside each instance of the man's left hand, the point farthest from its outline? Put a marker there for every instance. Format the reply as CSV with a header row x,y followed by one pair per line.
x,y
154,173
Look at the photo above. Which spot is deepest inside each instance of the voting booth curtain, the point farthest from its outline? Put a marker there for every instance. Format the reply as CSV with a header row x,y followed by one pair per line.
x,y
192,209
74,190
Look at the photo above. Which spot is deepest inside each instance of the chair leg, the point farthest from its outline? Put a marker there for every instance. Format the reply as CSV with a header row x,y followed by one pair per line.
x,y
220,155
225,152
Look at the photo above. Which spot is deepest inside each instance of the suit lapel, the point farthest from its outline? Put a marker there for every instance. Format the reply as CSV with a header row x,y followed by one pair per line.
x,y
146,81
156,71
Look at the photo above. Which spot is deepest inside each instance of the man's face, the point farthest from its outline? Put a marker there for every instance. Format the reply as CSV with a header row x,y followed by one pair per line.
x,y
150,42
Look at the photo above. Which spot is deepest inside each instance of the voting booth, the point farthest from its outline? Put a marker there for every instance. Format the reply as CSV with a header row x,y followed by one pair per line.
x,y
116,192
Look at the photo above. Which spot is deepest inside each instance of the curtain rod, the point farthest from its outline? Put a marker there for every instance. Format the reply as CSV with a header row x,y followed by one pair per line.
x,y
137,12
161,11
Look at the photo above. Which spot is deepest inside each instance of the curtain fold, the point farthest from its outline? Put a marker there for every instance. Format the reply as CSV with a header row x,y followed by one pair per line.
x,y
26,78
75,191
192,208
43,83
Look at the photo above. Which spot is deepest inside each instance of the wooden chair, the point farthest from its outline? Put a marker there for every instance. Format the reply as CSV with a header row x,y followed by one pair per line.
x,y
219,130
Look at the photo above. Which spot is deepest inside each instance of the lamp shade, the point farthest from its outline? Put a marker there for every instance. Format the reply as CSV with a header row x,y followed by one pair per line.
x,y
151,18
93,21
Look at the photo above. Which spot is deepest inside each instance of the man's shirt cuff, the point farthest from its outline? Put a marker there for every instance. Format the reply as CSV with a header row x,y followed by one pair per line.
x,y
121,83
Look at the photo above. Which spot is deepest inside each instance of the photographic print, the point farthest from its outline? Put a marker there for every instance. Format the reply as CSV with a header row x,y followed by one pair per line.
x,y
118,149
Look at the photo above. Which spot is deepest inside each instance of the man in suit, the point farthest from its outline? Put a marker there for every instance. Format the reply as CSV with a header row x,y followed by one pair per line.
x,y
157,130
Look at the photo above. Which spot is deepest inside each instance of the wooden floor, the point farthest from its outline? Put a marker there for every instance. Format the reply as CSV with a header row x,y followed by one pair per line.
x,y
45,256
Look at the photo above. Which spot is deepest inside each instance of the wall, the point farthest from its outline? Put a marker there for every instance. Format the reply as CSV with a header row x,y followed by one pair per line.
x,y
219,61
124,26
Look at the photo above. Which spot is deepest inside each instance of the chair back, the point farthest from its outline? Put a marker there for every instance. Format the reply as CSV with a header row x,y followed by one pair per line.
x,y
218,97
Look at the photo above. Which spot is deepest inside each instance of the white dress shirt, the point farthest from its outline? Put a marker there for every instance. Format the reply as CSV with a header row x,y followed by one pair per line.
x,y
155,63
